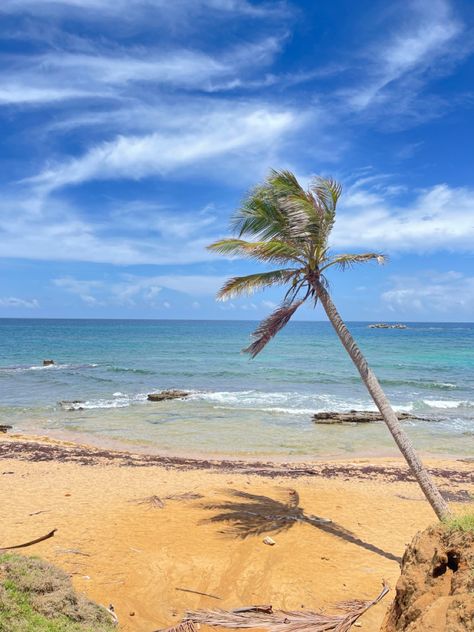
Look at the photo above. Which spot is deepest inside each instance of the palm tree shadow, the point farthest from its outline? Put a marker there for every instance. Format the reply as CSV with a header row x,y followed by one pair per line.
x,y
253,515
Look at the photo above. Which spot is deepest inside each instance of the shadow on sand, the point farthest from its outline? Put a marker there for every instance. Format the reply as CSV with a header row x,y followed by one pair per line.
x,y
252,515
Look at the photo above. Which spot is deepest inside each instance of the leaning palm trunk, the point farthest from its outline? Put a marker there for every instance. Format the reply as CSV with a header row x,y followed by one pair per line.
x,y
291,226
383,404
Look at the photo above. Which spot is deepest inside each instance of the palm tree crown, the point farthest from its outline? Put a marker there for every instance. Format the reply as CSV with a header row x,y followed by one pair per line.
x,y
286,225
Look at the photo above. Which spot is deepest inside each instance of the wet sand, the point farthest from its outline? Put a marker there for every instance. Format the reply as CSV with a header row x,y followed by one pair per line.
x,y
205,531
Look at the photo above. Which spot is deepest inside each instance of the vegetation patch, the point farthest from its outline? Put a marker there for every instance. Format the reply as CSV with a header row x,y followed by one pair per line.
x,y
463,522
38,597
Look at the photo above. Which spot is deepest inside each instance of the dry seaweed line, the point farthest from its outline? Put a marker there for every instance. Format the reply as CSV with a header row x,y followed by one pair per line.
x,y
286,621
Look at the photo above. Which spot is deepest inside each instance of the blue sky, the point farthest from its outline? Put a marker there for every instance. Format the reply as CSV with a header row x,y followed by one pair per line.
x,y
132,128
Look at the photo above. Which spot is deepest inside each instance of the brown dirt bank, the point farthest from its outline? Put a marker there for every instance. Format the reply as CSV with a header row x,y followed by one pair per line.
x,y
204,530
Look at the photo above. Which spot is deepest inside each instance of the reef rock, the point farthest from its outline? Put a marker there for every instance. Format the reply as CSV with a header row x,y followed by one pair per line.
x,y
4,428
169,394
387,326
48,362
435,591
354,417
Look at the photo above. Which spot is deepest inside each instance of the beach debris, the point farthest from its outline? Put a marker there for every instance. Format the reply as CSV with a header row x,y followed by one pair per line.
x,y
198,592
388,326
185,496
30,543
111,610
184,626
4,427
74,552
265,618
168,394
36,513
355,417
154,502
268,540
48,362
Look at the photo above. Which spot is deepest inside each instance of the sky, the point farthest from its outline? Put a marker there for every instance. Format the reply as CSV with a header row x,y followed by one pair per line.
x,y
132,129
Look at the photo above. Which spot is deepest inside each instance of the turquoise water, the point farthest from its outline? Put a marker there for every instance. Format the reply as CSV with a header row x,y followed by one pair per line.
x,y
238,406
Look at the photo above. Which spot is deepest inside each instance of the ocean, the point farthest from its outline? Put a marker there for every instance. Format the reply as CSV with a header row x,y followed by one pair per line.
x,y
241,407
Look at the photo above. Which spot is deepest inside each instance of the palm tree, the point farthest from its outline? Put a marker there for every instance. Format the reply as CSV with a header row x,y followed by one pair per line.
x,y
290,226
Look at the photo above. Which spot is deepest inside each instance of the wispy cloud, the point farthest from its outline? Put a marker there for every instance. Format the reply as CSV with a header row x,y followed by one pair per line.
x,y
395,71
190,140
13,302
130,289
432,293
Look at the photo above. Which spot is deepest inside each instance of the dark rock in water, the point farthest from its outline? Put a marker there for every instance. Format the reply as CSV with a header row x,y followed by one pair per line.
x,y
73,405
435,592
354,417
387,326
48,362
169,394
4,428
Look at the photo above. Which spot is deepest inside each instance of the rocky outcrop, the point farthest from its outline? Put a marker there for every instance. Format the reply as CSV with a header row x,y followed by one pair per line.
x,y
435,591
169,394
75,404
4,428
354,417
387,326
48,362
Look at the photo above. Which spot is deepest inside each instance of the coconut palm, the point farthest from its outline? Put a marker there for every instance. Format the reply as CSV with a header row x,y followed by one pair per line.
x,y
289,226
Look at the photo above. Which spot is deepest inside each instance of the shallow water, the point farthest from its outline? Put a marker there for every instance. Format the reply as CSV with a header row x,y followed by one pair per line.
x,y
241,407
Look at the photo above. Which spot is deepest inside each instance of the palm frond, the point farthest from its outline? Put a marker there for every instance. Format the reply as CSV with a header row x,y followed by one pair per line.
x,y
269,327
271,251
327,191
251,283
349,260
264,617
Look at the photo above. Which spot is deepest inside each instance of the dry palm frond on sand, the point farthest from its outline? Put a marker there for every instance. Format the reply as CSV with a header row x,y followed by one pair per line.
x,y
264,617
155,502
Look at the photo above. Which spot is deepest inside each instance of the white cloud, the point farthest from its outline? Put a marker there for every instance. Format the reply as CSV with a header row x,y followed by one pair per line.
x,y
127,9
397,69
130,288
12,301
432,293
111,73
438,218
226,132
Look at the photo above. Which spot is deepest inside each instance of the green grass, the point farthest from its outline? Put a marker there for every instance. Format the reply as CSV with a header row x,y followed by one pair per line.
x,y
38,597
464,522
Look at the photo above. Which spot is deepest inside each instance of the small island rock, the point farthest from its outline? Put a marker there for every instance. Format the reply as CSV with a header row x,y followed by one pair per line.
x,y
388,326
4,428
48,362
354,417
168,394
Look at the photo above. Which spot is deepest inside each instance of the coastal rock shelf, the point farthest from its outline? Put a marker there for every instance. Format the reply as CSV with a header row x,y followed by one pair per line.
x,y
355,417
164,395
388,326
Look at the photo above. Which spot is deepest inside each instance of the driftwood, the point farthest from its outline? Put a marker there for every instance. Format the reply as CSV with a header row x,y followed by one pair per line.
x,y
264,617
21,546
197,592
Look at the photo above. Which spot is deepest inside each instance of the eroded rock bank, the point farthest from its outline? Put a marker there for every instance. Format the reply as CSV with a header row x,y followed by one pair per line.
x,y
435,591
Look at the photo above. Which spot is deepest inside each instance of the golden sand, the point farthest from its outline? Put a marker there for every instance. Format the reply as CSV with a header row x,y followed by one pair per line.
x,y
136,556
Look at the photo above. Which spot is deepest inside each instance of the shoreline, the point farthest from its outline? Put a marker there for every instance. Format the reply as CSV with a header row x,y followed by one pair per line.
x,y
43,448
108,444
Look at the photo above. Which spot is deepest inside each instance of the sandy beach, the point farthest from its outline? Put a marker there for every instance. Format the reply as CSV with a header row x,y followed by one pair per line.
x,y
204,529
